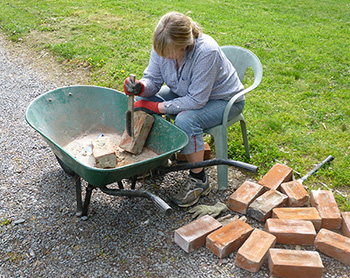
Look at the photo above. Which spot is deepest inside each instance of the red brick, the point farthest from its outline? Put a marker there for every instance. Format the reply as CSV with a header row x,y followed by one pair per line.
x,y
142,126
289,231
253,253
310,214
297,195
192,236
333,245
244,196
228,238
324,202
278,174
346,223
293,263
262,207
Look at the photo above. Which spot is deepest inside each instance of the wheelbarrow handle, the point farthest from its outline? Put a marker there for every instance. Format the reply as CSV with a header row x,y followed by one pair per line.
x,y
212,162
159,203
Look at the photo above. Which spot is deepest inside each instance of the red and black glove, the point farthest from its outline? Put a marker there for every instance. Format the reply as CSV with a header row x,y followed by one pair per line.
x,y
147,106
131,88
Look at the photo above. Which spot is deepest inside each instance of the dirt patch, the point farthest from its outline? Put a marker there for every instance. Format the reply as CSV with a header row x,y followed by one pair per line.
x,y
45,62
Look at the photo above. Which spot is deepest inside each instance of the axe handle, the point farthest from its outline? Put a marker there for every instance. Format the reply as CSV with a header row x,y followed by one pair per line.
x,y
130,117
313,171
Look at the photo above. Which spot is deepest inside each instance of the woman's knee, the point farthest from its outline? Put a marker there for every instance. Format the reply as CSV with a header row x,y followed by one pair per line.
x,y
184,121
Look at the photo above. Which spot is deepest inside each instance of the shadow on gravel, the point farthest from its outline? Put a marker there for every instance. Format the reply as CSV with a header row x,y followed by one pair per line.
x,y
58,189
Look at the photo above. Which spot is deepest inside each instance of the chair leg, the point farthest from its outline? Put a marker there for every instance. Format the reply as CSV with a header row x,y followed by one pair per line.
x,y
222,177
245,138
221,152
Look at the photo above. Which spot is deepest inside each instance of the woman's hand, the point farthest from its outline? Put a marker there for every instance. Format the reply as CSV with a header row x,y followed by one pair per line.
x,y
133,88
147,106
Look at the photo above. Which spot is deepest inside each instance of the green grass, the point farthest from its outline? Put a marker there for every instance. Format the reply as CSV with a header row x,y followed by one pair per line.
x,y
299,114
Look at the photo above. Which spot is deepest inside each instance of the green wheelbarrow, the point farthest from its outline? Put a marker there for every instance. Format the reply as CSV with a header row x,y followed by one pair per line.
x,y
67,113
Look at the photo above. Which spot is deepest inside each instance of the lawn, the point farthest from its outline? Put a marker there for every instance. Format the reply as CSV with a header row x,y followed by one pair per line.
x,y
299,114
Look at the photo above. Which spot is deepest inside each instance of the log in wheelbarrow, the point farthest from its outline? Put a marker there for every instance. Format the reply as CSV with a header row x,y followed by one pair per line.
x,y
67,113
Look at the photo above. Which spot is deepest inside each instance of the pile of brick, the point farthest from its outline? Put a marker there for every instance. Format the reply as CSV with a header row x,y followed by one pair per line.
x,y
283,204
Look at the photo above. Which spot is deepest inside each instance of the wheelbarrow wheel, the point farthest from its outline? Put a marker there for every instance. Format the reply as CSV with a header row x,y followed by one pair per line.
x,y
65,168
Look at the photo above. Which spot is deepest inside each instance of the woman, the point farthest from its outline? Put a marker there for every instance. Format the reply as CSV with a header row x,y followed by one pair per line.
x,y
199,82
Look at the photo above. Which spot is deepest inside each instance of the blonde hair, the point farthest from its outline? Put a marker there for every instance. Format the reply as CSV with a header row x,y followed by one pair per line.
x,y
175,30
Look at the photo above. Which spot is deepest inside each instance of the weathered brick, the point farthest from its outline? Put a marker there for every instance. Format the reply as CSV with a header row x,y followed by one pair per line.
x,y
309,213
253,253
293,263
297,195
244,196
333,245
289,231
192,236
142,126
278,174
262,207
324,202
346,223
228,238
103,152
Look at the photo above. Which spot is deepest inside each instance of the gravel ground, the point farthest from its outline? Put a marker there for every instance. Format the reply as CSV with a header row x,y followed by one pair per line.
x,y
40,235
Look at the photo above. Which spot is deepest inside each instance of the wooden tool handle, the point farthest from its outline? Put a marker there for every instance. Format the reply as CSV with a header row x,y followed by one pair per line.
x,y
132,78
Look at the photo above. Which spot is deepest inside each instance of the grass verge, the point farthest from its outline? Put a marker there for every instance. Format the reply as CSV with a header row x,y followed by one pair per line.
x,y
300,113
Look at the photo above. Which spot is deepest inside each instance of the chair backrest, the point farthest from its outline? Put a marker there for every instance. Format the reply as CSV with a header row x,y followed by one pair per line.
x,y
242,59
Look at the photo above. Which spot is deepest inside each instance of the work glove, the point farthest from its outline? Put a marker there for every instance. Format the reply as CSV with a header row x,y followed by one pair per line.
x,y
224,220
150,107
201,210
133,89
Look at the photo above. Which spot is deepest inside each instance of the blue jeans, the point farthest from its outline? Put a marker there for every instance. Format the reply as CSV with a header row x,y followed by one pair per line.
x,y
193,122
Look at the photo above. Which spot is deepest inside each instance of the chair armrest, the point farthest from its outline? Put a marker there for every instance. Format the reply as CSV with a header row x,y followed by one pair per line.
x,y
231,102
235,97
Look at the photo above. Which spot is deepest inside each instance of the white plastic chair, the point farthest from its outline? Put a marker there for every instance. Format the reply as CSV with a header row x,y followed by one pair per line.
x,y
241,59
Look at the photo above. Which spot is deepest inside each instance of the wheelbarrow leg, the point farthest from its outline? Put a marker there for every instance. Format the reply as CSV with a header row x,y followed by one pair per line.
x,y
89,189
120,184
133,182
79,210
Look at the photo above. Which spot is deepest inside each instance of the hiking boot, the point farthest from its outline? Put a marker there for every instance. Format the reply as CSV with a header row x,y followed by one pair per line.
x,y
194,189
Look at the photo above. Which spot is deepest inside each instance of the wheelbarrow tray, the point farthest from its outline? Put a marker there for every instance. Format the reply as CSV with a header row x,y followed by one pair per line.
x,y
67,113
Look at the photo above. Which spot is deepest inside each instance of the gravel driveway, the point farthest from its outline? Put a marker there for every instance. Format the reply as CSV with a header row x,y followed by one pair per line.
x,y
40,235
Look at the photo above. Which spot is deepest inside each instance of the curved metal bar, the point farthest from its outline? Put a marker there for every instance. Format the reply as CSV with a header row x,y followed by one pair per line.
x,y
159,203
88,194
79,211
